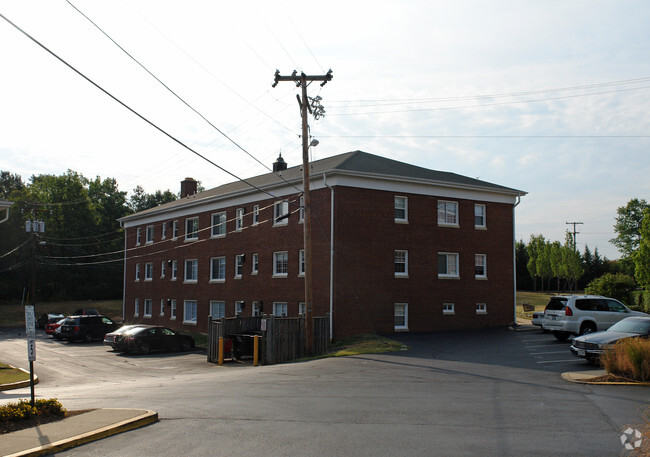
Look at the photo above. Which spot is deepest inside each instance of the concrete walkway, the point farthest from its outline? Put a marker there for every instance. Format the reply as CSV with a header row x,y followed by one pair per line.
x,y
73,431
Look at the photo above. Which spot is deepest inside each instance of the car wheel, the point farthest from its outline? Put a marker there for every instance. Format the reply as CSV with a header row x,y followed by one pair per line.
x,y
144,348
88,337
562,336
587,327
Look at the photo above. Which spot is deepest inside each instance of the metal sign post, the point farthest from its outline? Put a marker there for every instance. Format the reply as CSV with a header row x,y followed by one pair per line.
x,y
30,330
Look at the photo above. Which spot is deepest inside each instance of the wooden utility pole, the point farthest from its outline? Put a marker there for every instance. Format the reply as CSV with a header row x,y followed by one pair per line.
x,y
301,80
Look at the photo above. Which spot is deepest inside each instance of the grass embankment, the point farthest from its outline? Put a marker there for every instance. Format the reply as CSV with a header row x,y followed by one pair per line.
x,y
10,375
13,314
364,344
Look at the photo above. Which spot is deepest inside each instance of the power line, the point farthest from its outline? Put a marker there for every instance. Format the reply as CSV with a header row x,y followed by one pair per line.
x,y
161,130
484,136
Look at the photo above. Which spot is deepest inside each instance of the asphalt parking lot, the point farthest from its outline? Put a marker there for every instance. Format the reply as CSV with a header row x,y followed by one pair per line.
x,y
487,392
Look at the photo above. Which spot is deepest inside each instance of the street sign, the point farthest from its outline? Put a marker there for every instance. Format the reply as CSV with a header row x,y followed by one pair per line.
x,y
31,350
30,322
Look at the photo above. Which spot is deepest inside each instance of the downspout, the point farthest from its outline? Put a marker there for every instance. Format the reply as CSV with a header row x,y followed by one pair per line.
x,y
331,252
124,280
514,260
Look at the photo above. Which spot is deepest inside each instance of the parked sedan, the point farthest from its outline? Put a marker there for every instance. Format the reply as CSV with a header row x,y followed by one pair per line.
x,y
593,345
109,338
48,318
153,338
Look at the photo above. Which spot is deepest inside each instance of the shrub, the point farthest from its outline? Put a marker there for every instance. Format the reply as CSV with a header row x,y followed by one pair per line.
x,y
612,285
12,412
629,358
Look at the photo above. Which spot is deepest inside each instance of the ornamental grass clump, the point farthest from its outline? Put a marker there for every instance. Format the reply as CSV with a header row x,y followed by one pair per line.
x,y
629,358
23,410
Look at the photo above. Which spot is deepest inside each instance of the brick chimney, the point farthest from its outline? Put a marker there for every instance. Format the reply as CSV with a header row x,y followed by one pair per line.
x,y
188,187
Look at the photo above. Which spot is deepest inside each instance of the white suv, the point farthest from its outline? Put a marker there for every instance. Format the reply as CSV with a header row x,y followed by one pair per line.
x,y
567,315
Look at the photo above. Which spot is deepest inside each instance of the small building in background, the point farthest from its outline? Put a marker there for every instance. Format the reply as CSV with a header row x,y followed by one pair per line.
x,y
396,248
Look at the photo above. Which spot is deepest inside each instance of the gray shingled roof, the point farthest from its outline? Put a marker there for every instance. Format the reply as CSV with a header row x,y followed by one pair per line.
x,y
355,162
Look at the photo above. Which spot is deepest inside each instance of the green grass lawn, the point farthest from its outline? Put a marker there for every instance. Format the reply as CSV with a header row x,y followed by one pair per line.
x,y
13,314
9,374
537,299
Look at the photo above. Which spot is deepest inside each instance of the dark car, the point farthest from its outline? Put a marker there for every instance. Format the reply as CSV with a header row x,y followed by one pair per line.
x,y
153,338
109,338
85,312
593,345
48,318
86,328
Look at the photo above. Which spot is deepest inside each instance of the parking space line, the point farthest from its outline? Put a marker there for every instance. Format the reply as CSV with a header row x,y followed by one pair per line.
x,y
540,345
553,352
560,361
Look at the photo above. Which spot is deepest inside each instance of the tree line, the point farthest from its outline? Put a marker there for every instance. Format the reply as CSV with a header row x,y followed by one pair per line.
x,y
79,255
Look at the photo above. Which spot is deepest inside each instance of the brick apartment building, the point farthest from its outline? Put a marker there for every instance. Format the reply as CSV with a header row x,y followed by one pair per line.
x,y
396,247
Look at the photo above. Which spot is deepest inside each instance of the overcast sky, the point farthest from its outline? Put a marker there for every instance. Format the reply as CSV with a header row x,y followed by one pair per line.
x,y
549,97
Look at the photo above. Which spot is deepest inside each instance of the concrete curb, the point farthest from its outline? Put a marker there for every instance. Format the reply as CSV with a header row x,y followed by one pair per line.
x,y
585,377
19,384
147,417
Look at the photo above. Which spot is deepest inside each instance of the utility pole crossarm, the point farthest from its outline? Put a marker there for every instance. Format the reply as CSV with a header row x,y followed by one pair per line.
x,y
299,78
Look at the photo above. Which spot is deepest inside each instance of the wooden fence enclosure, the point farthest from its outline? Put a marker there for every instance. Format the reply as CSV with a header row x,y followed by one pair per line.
x,y
282,338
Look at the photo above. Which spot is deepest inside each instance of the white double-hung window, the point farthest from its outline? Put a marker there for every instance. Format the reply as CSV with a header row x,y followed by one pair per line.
x,y
280,264
448,265
401,264
448,213
218,226
191,270
401,209
281,213
480,266
401,316
192,228
479,216
217,269
189,312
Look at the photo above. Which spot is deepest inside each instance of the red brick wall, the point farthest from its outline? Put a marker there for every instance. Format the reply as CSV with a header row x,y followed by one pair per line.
x,y
366,289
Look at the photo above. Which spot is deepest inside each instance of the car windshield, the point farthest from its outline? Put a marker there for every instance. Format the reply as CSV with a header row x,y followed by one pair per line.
x,y
639,326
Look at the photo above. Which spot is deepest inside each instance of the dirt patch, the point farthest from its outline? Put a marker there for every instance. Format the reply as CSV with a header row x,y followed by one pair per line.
x,y
613,378
14,426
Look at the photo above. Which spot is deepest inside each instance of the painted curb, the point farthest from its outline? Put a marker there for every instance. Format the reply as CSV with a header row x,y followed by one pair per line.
x,y
584,380
19,384
148,417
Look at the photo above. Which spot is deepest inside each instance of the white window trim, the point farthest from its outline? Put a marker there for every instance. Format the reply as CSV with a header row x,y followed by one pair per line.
x,y
137,272
239,307
138,236
185,303
164,231
404,327
481,308
136,307
484,226
148,271
285,220
405,219
255,310
484,275
191,281
195,234
255,263
172,310
446,275
148,301
301,263
239,265
445,223
301,211
212,272
275,264
217,302
215,226
256,214
405,274
174,272
239,219
162,306
175,230
149,230
448,308
284,306
163,267
302,308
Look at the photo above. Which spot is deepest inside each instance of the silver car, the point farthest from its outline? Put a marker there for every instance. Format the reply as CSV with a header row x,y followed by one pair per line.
x,y
567,315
